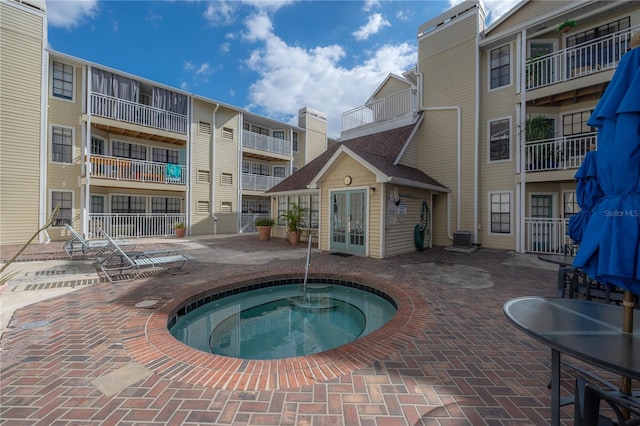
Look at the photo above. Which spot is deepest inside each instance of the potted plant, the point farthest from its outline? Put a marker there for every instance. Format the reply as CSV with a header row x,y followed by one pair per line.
x,y
294,217
180,228
566,26
263,225
537,128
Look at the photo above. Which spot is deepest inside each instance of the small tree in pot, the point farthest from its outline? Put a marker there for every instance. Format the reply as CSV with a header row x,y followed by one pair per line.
x,y
180,228
294,217
263,225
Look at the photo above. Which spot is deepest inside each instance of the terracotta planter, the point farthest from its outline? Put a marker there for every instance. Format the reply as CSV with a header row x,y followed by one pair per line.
x,y
180,232
294,237
264,233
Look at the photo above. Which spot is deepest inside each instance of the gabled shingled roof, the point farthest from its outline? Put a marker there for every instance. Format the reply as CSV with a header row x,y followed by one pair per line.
x,y
380,150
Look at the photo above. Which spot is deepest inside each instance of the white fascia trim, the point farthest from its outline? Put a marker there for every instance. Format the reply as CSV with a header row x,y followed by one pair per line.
x,y
414,184
293,192
408,141
380,177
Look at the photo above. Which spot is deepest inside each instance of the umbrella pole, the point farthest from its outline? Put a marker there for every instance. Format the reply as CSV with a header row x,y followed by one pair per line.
x,y
627,327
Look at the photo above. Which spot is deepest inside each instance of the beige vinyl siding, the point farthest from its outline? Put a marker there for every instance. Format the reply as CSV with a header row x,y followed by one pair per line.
x,y
21,38
447,63
496,176
391,87
201,145
226,162
410,156
399,235
315,136
532,10
362,179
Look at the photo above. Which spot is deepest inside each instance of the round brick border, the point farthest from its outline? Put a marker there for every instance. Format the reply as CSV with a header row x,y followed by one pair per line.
x,y
148,341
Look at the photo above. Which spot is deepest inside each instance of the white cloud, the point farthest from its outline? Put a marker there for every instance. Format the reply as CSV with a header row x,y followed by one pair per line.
x,y
70,14
291,77
376,23
370,4
224,48
220,12
258,27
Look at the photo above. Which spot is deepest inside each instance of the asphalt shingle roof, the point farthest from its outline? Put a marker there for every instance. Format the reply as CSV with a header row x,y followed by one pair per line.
x,y
378,149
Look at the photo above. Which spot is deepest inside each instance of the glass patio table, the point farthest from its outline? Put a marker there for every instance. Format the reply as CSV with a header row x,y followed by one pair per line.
x,y
588,331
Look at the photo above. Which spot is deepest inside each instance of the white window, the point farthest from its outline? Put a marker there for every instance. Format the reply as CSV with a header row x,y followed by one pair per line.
x,y
279,171
570,204
295,142
64,201
97,146
500,67
278,134
500,139
500,213
62,81
61,144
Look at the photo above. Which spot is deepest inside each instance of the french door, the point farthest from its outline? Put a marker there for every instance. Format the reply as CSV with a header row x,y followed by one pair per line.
x,y
348,221
541,208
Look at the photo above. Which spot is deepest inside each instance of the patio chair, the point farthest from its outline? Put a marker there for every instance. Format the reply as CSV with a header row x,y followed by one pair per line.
x,y
119,266
626,409
78,246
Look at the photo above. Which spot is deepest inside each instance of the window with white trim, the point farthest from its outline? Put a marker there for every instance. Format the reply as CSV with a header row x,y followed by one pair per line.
x,y
294,143
500,67
570,206
128,150
64,201
278,134
279,171
500,212
165,205
500,139
128,204
62,81
161,155
311,202
97,146
61,144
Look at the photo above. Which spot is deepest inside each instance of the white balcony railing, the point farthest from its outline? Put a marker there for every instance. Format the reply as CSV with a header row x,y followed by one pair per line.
x,y
558,154
577,61
132,112
131,225
265,143
546,235
137,170
380,110
259,182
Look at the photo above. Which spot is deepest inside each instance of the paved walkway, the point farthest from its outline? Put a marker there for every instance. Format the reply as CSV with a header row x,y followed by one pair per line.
x,y
89,352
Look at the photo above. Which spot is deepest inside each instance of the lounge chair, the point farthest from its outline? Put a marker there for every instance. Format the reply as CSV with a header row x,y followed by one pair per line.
x,y
77,246
120,266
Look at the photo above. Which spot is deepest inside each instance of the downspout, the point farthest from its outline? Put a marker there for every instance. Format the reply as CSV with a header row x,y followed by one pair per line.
x,y
86,151
476,141
44,114
458,154
213,167
239,169
188,168
522,111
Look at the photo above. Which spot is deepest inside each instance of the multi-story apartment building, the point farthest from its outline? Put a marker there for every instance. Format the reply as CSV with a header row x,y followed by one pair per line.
x,y
125,154
499,116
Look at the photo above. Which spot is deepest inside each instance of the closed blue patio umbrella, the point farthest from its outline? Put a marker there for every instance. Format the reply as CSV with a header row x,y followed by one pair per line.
x,y
610,246
588,193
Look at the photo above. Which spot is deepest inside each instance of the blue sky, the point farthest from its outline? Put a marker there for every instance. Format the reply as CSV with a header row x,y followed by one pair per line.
x,y
269,57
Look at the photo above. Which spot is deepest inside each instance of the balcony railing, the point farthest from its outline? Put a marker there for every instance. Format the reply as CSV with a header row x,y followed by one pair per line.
x,y
134,225
259,182
137,170
546,235
578,61
558,154
380,110
265,143
132,112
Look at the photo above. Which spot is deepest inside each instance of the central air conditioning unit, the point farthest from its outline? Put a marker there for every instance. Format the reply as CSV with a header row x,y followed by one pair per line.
x,y
462,239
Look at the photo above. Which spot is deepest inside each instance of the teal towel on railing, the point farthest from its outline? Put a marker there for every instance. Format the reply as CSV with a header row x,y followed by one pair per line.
x,y
174,172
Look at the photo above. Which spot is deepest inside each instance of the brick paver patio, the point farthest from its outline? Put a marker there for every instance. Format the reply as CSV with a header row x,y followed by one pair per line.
x,y
98,355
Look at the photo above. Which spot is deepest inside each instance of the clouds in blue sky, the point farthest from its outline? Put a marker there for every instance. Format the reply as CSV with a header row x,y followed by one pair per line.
x,y
269,65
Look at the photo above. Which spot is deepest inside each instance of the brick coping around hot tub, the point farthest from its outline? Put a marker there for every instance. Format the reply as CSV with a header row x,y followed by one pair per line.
x,y
148,341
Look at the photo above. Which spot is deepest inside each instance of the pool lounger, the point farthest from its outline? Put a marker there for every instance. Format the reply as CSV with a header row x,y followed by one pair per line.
x,y
119,266
78,246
